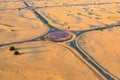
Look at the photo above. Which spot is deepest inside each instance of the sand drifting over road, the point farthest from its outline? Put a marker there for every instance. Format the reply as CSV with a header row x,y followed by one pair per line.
x,y
43,61
104,46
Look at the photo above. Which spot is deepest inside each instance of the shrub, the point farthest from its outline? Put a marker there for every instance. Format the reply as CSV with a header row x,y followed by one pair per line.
x,y
68,27
16,53
19,9
101,29
12,48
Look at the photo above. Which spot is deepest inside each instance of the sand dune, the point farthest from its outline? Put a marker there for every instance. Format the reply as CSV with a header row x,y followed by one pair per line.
x,y
22,21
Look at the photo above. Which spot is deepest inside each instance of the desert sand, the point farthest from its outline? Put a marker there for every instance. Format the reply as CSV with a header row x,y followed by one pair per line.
x,y
11,4
104,47
94,27
43,60
75,18
20,25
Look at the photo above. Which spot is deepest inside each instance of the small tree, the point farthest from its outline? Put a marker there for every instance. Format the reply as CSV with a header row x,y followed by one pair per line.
x,y
16,53
12,48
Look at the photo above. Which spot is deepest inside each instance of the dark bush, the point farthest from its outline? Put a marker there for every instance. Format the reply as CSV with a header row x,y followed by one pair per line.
x,y
68,27
12,48
16,53
19,9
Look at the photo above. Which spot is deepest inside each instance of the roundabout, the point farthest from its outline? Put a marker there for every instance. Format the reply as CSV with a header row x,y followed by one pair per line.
x,y
60,46
60,36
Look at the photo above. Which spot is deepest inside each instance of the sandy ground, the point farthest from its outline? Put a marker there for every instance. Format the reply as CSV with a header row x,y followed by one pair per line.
x,y
45,60
17,25
104,47
81,17
43,3
10,4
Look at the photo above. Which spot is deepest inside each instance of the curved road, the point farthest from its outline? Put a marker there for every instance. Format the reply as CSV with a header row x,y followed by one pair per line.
x,y
86,56
104,72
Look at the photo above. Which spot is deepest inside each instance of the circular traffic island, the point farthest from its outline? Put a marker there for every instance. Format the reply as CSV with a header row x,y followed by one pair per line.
x,y
60,36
